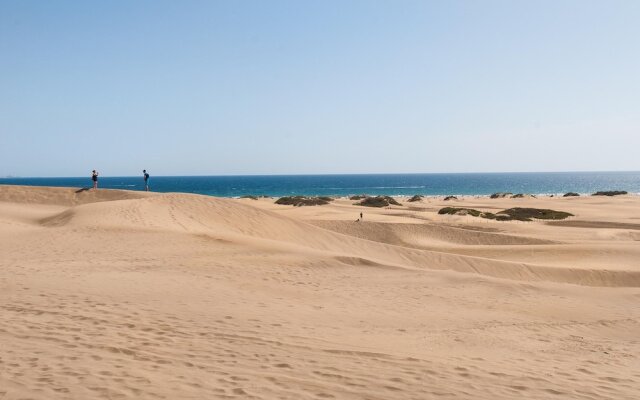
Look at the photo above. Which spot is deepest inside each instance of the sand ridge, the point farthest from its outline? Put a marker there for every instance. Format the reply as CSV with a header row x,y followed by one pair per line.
x,y
117,294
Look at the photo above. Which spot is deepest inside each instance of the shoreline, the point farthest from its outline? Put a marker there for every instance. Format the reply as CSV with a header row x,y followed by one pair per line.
x,y
437,196
337,196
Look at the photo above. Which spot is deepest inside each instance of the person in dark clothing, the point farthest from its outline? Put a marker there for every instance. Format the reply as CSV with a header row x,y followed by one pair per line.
x,y
94,178
145,175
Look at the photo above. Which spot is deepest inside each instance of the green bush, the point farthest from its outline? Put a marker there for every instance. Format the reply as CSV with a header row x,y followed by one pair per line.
x,y
610,193
525,214
500,195
300,201
459,211
378,201
519,214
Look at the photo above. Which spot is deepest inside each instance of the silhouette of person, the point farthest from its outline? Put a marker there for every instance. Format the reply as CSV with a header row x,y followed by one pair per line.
x,y
146,179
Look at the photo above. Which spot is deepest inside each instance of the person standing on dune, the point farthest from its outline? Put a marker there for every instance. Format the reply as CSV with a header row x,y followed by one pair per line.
x,y
94,178
145,175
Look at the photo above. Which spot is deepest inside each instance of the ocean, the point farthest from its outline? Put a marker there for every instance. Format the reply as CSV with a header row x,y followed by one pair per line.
x,y
372,184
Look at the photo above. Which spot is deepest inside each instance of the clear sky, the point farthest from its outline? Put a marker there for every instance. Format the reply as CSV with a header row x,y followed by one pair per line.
x,y
277,87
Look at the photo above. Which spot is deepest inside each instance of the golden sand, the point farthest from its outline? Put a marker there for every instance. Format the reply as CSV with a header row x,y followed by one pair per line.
x,y
109,294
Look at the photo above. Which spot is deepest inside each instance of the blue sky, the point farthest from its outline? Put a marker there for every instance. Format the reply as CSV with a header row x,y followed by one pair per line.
x,y
270,87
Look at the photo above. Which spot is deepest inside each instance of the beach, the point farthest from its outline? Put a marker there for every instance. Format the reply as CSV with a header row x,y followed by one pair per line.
x,y
115,294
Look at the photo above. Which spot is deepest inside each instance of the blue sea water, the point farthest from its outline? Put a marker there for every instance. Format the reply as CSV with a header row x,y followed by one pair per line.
x,y
373,184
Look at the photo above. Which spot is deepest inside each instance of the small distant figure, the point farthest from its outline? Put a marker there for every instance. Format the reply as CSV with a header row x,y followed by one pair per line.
x,y
94,178
146,179
360,216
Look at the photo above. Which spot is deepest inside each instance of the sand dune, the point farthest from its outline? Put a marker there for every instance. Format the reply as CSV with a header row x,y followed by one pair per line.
x,y
116,294
413,235
63,196
226,219
596,224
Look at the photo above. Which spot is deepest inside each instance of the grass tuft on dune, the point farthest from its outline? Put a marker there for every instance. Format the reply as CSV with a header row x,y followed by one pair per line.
x,y
301,201
517,213
378,201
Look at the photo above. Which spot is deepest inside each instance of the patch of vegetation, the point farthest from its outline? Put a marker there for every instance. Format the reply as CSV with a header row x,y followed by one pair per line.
x,y
610,193
391,200
358,197
500,195
415,198
459,211
522,195
570,194
518,214
525,214
499,217
450,198
378,201
466,211
249,197
299,201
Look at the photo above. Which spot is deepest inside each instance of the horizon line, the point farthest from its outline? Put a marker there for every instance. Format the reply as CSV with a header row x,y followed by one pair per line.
x,y
329,174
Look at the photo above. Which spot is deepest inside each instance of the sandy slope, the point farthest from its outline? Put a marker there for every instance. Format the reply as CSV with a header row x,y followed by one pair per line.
x,y
115,294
